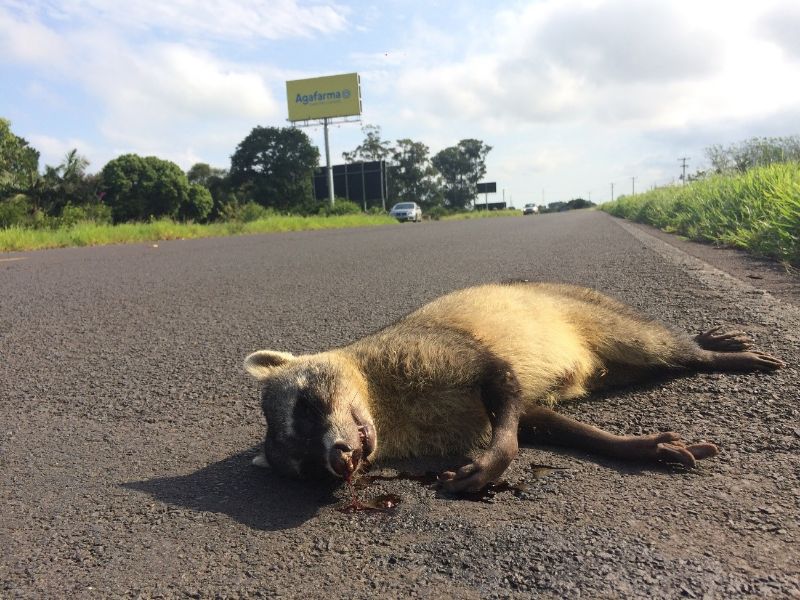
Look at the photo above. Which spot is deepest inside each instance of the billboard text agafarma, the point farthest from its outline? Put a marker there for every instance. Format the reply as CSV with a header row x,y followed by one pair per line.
x,y
321,97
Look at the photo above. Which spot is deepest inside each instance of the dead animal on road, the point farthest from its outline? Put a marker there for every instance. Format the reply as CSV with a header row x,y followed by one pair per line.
x,y
470,370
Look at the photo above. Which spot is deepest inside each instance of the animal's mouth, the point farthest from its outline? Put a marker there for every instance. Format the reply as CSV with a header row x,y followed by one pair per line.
x,y
366,435
345,458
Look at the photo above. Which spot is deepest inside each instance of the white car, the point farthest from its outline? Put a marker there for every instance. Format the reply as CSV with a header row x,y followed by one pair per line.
x,y
530,209
406,211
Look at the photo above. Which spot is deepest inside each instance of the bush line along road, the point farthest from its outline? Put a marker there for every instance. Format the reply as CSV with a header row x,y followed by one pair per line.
x,y
128,426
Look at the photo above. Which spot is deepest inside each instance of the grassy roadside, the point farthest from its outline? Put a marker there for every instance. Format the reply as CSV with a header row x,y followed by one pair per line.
x,y
758,210
14,239
92,234
482,214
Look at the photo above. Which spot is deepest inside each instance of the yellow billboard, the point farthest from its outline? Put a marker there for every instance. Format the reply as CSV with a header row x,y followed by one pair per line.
x,y
320,97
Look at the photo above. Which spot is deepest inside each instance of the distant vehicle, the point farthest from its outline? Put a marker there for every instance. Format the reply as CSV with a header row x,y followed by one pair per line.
x,y
406,211
530,209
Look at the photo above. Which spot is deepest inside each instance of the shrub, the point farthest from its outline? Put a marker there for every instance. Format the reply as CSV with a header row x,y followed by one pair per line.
x,y
94,213
197,205
16,210
437,212
340,207
138,188
244,213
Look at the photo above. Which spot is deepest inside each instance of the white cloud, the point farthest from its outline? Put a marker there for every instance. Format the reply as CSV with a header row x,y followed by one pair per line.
x,y
53,150
170,99
640,65
781,25
174,84
626,41
523,158
24,39
218,19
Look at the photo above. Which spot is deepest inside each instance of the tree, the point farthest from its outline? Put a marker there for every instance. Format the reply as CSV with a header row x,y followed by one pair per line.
x,y
137,188
67,183
274,167
719,158
216,182
203,173
198,204
574,204
19,163
412,177
755,152
462,166
372,148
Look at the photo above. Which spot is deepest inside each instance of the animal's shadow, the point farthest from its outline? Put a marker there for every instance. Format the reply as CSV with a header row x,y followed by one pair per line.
x,y
250,495
266,501
263,500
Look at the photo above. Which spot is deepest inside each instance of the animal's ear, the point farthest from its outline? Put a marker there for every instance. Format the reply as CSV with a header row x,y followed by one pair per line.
x,y
260,461
260,364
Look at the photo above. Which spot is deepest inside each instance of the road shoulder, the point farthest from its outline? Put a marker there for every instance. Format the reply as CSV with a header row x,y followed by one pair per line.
x,y
779,280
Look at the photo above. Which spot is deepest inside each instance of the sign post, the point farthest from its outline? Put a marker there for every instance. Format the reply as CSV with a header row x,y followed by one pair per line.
x,y
323,99
486,188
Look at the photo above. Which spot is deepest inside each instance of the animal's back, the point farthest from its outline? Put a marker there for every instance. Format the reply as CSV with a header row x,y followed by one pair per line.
x,y
557,339
535,328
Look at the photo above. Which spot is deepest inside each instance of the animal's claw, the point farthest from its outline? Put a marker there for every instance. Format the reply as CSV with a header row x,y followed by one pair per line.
x,y
724,341
477,474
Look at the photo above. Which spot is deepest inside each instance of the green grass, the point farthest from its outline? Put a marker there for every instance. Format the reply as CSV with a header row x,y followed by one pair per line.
x,y
92,234
758,210
482,214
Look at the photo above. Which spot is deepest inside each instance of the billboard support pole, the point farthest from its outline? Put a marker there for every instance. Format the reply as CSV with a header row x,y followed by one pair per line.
x,y
384,191
328,167
363,188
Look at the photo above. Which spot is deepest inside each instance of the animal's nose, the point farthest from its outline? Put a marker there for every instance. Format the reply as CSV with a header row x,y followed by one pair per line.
x,y
344,459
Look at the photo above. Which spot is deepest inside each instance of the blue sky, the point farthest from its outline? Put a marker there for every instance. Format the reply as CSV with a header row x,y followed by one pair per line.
x,y
571,94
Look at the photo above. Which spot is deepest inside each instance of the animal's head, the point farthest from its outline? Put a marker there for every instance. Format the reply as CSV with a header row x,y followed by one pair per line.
x,y
318,422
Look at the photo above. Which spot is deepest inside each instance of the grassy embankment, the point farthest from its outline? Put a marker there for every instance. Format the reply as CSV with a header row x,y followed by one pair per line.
x,y
93,234
480,214
758,210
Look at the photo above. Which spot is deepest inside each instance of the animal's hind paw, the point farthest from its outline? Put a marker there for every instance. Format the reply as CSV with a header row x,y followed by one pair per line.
x,y
667,447
724,341
753,360
685,454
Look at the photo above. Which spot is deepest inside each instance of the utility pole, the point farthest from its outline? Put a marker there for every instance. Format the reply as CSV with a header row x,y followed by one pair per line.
x,y
612,191
683,160
633,186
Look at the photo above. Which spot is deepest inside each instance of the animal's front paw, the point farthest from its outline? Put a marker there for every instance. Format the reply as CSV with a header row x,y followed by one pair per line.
x,y
482,471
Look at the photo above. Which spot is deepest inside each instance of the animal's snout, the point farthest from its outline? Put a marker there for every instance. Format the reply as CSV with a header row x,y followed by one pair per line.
x,y
344,459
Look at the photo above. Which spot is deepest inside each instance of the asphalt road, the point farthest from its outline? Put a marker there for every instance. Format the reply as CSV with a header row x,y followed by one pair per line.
x,y
127,427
